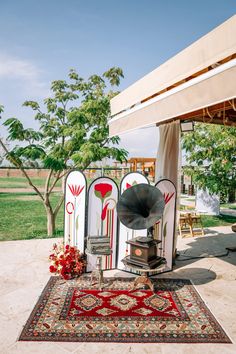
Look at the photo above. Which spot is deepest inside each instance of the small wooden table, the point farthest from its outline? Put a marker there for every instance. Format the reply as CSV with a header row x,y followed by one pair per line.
x,y
189,223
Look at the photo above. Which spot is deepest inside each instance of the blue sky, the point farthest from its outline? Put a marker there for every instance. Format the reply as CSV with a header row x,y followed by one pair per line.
x,y
41,40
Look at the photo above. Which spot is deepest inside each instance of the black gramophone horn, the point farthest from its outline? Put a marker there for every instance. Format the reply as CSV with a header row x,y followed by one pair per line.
x,y
140,206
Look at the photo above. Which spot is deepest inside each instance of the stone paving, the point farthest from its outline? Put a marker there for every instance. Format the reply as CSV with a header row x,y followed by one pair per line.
x,y
24,273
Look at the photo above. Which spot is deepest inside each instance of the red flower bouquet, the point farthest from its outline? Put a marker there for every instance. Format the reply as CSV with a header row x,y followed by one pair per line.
x,y
66,261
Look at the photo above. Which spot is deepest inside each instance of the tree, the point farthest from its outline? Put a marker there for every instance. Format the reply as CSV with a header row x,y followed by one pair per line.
x,y
211,155
1,155
2,152
72,133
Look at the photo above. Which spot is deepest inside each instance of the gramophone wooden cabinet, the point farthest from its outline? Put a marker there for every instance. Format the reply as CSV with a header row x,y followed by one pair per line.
x,y
143,252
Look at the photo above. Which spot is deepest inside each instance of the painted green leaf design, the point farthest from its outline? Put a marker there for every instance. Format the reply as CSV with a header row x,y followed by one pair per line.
x,y
165,230
107,194
77,223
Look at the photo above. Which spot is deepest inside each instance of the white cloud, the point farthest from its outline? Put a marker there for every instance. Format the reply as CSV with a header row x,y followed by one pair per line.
x,y
141,142
13,68
25,74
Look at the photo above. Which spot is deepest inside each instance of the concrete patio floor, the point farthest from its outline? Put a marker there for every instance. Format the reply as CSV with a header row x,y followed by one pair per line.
x,y
24,274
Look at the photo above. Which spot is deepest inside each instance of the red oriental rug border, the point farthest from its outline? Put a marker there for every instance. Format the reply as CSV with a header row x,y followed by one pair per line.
x,y
73,311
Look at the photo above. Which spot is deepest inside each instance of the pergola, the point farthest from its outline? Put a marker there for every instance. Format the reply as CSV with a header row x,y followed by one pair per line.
x,y
197,84
144,163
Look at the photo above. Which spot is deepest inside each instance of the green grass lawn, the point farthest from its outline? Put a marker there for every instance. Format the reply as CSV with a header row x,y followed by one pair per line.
x,y
229,206
186,207
22,214
23,217
190,199
221,220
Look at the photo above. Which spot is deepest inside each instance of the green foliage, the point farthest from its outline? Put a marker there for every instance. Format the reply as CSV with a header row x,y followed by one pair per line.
x,y
114,75
72,132
1,110
73,127
211,157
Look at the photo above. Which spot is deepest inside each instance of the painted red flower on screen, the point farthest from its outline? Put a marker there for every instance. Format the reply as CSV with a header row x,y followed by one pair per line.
x,y
128,185
103,190
104,211
168,196
75,190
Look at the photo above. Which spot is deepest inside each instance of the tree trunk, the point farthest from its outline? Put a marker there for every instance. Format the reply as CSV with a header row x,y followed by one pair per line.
x,y
50,221
231,195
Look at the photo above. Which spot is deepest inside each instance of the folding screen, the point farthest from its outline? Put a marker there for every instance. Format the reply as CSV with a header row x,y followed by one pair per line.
x,y
100,218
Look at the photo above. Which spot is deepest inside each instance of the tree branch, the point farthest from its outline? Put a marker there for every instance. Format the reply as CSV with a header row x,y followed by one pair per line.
x,y
47,182
57,208
72,168
54,182
17,164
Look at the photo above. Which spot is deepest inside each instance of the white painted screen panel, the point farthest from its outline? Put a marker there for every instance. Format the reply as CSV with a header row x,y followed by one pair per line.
x,y
75,208
165,228
102,218
125,233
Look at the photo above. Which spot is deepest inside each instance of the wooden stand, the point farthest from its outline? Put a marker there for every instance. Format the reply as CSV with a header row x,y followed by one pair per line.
x,y
97,274
143,279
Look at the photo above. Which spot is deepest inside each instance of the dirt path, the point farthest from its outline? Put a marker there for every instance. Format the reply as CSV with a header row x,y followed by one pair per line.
x,y
226,211
25,190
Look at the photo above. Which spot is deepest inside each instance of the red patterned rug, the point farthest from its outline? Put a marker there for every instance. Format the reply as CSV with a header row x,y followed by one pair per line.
x,y
72,310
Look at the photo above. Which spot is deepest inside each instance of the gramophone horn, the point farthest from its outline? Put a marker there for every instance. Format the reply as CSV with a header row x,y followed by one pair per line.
x,y
140,206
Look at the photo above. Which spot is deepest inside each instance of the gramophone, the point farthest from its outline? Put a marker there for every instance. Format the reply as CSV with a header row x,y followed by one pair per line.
x,y
140,207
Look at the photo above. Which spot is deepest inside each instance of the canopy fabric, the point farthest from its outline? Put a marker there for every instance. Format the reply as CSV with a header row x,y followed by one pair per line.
x,y
218,85
207,51
168,158
168,151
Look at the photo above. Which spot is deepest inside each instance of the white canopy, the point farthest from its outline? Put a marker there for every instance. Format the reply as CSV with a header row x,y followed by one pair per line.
x,y
199,80
202,75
